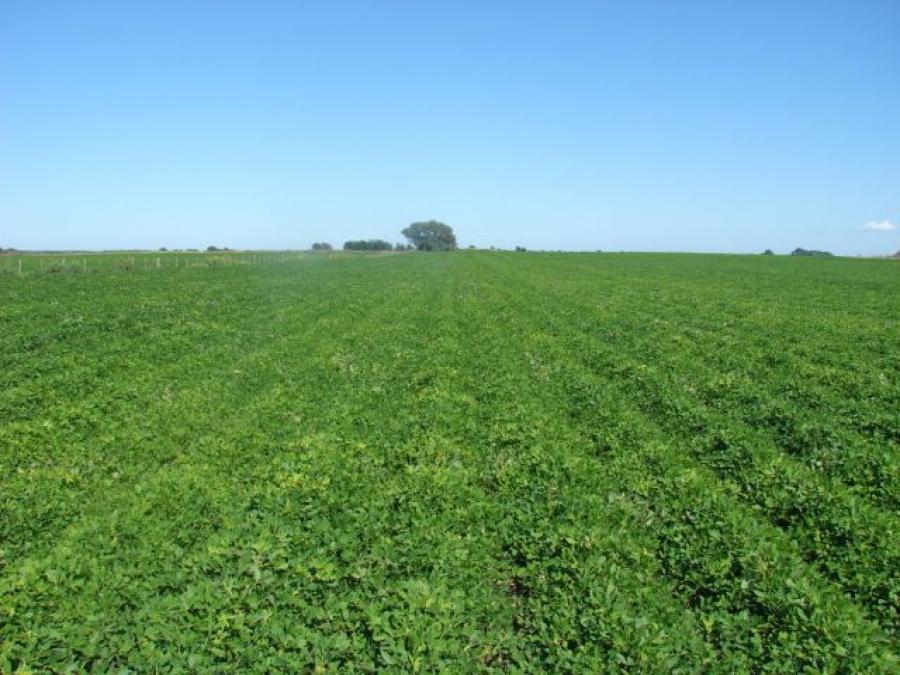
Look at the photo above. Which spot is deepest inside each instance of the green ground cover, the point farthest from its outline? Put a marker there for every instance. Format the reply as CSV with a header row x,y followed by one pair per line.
x,y
466,461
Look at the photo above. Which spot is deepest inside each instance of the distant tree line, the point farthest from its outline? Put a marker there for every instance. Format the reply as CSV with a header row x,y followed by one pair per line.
x,y
368,245
811,252
428,235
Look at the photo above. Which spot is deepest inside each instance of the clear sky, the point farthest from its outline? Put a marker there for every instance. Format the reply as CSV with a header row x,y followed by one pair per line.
x,y
697,126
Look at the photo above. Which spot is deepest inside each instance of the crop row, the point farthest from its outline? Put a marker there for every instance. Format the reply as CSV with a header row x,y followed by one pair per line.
x,y
461,462
848,539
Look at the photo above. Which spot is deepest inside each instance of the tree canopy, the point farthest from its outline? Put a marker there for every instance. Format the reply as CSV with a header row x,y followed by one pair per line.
x,y
811,252
431,235
368,245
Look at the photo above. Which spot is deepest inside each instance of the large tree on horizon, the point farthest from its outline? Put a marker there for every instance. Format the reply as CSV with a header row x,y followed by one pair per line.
x,y
431,235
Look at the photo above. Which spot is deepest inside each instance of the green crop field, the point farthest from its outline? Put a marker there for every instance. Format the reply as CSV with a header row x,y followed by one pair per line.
x,y
460,462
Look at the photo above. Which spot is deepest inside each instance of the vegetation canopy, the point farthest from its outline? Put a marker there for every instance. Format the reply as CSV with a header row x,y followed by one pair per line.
x,y
368,245
431,235
812,253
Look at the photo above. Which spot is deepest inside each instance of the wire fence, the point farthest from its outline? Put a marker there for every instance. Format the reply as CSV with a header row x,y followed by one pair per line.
x,y
25,264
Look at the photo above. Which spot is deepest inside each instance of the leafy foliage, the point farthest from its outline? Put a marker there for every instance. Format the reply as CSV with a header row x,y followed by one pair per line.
x,y
570,462
368,245
431,235
811,252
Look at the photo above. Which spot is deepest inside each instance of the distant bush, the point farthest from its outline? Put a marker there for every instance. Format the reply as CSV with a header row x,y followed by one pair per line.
x,y
768,251
321,246
811,252
521,249
368,245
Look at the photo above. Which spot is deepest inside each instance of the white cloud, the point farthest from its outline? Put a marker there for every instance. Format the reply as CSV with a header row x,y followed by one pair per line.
x,y
880,226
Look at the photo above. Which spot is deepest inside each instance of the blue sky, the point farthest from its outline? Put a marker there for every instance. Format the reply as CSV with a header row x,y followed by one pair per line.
x,y
573,125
